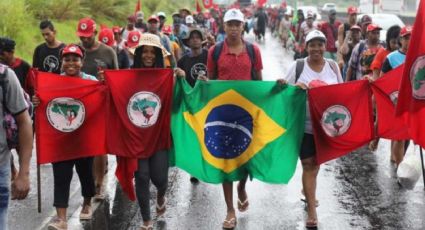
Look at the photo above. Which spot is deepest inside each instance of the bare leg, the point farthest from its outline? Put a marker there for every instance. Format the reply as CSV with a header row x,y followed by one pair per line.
x,y
61,212
309,176
397,151
228,197
99,167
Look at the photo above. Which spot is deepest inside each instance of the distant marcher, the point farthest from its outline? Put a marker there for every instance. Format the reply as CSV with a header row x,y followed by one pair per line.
x,y
106,36
352,38
343,31
140,24
330,29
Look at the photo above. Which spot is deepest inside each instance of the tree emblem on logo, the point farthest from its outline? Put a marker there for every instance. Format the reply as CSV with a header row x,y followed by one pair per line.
x,y
65,114
336,120
83,26
394,97
417,78
143,109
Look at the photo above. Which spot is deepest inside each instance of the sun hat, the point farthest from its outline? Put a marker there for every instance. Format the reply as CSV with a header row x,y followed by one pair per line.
x,y
150,40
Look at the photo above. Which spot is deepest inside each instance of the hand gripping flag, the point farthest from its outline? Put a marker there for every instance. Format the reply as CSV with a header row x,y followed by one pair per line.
x,y
385,90
411,102
139,117
224,130
71,118
342,118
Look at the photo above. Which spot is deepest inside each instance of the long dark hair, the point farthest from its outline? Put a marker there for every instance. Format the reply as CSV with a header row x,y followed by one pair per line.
x,y
159,58
392,33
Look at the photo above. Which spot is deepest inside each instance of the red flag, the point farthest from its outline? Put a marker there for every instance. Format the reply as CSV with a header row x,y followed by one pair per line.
x,y
139,117
198,7
411,104
138,6
341,123
71,118
385,90
207,3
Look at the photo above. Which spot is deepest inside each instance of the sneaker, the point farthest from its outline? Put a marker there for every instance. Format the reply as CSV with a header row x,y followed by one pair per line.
x,y
57,224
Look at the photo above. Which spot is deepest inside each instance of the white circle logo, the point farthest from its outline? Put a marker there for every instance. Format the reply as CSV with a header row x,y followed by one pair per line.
x,y
105,40
65,114
72,48
394,97
135,38
336,120
143,109
417,78
83,26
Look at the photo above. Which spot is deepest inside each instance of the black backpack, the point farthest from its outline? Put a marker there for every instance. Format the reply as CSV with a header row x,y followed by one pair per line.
x,y
249,48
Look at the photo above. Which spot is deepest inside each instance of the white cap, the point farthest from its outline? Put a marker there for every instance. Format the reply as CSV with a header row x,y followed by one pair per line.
x,y
233,15
189,19
315,34
161,14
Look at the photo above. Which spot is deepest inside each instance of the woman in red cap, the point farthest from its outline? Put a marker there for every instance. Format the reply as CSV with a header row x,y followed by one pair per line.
x,y
72,57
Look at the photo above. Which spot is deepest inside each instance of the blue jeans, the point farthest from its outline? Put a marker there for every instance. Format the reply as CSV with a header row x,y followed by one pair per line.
x,y
4,193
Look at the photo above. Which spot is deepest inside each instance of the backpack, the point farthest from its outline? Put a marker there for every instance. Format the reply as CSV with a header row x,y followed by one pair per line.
x,y
249,48
9,122
300,66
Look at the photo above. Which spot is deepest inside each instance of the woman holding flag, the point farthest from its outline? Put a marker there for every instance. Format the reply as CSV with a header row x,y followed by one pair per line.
x,y
150,54
72,57
310,72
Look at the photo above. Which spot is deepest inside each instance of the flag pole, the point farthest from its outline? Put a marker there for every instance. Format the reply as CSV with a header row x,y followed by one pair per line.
x,y
38,188
422,163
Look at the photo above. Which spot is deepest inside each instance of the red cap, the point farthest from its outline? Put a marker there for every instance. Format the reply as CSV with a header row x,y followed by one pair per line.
x,y
407,30
372,27
116,29
106,36
131,18
167,30
133,39
355,27
72,49
153,17
352,10
86,27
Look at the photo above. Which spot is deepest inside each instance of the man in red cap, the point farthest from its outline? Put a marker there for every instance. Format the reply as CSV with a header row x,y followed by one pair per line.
x,y
364,54
131,20
98,57
153,28
344,29
106,36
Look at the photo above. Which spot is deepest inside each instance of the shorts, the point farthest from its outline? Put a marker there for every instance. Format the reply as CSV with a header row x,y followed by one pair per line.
x,y
308,148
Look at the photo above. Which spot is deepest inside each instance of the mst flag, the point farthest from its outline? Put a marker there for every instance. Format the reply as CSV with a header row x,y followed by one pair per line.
x,y
342,118
139,117
385,90
71,118
225,129
207,3
411,102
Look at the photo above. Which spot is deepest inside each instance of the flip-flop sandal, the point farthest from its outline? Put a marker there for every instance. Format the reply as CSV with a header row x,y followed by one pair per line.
x,y
229,224
311,224
243,206
148,227
88,215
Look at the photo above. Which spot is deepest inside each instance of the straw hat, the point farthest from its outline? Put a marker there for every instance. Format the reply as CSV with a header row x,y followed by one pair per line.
x,y
150,40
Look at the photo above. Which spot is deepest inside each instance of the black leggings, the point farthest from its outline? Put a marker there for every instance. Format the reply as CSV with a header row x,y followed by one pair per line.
x,y
62,174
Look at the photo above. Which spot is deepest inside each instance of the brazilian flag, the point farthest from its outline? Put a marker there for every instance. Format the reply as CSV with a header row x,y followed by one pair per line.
x,y
224,130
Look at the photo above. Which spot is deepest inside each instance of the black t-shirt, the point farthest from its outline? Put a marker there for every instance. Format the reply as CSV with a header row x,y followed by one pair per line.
x,y
21,69
47,59
194,66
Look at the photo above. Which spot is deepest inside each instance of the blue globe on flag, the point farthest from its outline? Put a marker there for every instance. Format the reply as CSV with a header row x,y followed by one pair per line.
x,y
228,131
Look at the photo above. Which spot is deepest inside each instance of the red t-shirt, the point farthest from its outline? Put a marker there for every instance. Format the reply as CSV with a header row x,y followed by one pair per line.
x,y
379,59
232,66
331,33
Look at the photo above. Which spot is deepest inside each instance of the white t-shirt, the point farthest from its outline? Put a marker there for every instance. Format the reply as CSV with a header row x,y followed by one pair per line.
x,y
314,79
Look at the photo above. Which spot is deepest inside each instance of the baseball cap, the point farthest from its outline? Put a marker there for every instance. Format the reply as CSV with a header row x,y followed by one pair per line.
x,y
407,30
332,11
352,10
310,14
86,27
233,15
189,19
72,49
161,14
106,36
315,35
131,18
133,39
372,27
366,19
116,29
153,18
355,27
140,15
7,44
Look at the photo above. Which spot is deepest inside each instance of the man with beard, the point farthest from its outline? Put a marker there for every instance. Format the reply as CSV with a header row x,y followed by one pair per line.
x,y
98,57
